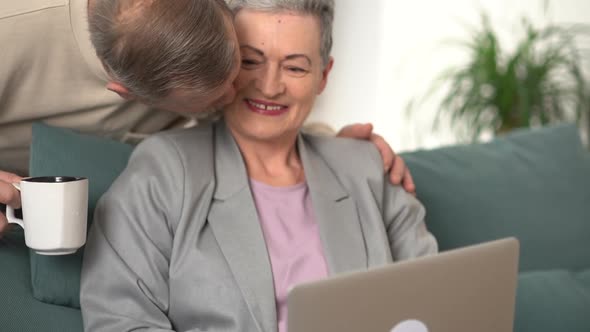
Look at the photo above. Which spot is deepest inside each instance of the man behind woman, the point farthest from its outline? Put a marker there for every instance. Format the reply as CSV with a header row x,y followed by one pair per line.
x,y
180,56
208,228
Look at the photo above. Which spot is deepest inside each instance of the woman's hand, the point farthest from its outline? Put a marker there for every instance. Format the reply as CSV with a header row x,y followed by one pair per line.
x,y
399,174
8,195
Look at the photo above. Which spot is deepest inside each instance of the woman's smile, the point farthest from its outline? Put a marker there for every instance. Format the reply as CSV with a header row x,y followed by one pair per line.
x,y
265,107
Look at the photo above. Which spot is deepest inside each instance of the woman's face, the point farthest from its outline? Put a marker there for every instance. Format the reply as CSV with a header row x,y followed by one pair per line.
x,y
281,74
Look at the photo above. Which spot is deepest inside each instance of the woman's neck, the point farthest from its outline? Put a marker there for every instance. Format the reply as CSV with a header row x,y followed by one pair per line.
x,y
275,163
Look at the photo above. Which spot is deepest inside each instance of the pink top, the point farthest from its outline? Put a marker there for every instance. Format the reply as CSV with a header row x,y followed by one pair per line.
x,y
292,239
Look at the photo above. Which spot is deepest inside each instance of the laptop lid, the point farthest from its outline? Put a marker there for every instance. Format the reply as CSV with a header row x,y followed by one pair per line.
x,y
466,289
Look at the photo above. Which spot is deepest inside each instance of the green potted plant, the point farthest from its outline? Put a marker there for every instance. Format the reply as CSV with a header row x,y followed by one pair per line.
x,y
540,82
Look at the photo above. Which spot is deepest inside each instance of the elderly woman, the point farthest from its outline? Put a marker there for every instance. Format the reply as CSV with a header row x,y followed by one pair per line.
x,y
208,228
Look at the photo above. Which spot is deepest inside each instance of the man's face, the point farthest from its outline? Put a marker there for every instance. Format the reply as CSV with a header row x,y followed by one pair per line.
x,y
185,101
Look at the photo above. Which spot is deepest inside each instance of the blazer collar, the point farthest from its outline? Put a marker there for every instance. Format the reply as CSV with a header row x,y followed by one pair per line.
x,y
230,169
319,177
234,221
233,177
335,211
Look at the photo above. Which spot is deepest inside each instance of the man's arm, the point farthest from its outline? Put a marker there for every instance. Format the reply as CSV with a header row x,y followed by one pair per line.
x,y
399,174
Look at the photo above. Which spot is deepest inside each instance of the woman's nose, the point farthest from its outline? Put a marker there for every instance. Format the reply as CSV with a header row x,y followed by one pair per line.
x,y
270,83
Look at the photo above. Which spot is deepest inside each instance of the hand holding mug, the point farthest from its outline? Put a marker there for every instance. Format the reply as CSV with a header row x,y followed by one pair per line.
x,y
54,213
8,196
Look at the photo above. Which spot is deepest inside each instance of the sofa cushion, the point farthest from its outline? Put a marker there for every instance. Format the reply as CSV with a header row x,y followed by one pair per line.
x,y
20,311
533,184
57,151
554,300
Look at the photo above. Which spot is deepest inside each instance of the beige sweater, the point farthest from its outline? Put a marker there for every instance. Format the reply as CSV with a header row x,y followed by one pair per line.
x,y
49,72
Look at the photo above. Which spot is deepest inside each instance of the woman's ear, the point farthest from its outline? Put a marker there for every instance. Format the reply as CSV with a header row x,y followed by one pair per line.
x,y
120,89
325,74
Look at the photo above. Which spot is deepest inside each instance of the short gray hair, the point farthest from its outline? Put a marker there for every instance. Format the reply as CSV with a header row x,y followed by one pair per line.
x,y
322,9
155,46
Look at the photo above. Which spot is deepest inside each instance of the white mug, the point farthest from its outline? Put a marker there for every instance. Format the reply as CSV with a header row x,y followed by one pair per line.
x,y
54,213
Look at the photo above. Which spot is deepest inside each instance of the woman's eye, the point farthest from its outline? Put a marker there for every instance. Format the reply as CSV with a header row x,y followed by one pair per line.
x,y
296,70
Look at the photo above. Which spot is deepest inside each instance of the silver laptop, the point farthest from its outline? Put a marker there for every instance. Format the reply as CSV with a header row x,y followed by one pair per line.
x,y
467,289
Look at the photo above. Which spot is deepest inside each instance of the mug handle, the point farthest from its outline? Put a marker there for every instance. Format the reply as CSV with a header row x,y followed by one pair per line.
x,y
10,216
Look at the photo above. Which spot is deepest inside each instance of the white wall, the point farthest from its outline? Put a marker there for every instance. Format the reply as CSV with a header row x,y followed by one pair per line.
x,y
387,52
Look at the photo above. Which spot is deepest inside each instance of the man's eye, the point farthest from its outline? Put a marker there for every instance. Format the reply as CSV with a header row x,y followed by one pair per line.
x,y
249,62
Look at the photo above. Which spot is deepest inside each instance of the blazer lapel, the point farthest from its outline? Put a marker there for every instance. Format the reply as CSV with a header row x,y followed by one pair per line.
x,y
336,214
234,221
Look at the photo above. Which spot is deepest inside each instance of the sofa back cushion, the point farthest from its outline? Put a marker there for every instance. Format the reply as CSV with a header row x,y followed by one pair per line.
x,y
553,300
20,312
532,184
58,151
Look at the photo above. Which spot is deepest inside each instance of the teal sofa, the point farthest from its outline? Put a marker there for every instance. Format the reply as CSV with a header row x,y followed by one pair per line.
x,y
533,184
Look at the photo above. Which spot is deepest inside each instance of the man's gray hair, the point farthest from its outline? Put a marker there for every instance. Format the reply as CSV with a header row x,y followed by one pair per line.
x,y
155,46
322,9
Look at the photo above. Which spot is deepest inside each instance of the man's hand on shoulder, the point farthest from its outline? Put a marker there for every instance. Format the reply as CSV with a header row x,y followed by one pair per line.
x,y
8,196
399,174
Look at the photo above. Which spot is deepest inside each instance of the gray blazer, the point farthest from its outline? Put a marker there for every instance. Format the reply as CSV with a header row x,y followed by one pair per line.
x,y
176,243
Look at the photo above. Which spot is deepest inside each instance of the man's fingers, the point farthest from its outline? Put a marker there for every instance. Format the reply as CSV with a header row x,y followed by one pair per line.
x,y
408,183
392,163
9,177
3,224
9,195
398,170
385,150
358,131
400,175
